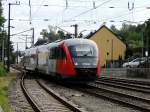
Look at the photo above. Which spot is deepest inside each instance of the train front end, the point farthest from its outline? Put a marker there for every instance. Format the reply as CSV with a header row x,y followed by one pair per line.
x,y
85,57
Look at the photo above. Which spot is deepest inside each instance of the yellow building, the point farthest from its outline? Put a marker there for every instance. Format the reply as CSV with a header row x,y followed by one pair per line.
x,y
111,47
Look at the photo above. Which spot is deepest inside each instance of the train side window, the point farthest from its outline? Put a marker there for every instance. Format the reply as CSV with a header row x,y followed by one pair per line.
x,y
60,53
52,54
57,53
63,54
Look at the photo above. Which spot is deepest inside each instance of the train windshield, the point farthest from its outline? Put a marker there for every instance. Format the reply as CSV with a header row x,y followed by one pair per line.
x,y
83,50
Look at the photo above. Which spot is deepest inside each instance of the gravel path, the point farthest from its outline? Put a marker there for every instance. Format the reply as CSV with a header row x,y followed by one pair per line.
x,y
17,100
93,104
46,102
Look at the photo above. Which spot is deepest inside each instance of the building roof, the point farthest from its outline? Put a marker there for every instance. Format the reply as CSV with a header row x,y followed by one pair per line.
x,y
104,26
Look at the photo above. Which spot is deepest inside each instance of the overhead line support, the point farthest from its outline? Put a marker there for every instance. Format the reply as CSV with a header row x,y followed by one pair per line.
x,y
8,38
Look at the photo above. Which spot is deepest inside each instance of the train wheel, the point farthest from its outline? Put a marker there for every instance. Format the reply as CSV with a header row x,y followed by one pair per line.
x,y
59,78
36,72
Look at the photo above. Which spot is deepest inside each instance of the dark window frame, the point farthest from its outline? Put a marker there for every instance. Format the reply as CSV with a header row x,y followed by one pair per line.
x,y
57,53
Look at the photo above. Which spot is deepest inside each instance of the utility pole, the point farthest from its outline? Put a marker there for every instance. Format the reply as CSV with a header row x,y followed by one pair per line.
x,y
8,38
3,47
32,36
147,46
26,39
142,43
17,52
26,42
146,43
76,29
112,49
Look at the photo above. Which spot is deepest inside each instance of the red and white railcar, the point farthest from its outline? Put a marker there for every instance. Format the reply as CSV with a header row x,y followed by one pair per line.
x,y
71,58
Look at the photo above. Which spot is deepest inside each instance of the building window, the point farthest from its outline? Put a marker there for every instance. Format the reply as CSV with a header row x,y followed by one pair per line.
x,y
107,53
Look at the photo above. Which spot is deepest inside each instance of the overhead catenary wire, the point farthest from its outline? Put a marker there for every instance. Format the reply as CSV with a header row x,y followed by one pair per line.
x,y
21,32
79,1
109,7
39,7
82,13
21,42
123,15
68,20
35,19
111,18
71,6
105,19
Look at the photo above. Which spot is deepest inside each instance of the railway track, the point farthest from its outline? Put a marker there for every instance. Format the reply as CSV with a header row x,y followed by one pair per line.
x,y
55,103
28,97
124,85
95,89
130,100
129,81
116,97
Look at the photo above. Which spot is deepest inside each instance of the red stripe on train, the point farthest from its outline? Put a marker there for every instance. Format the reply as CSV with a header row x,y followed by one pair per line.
x,y
65,66
98,66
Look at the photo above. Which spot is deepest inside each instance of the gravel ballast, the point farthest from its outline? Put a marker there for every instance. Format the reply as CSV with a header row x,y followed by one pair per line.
x,y
90,102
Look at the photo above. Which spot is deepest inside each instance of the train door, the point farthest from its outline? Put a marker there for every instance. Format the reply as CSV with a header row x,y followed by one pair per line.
x,y
52,61
37,61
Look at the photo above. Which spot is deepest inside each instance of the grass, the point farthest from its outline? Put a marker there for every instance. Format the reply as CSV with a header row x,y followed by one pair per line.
x,y
5,79
2,70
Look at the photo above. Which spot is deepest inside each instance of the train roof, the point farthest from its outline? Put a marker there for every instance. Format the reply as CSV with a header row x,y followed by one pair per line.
x,y
69,42
74,41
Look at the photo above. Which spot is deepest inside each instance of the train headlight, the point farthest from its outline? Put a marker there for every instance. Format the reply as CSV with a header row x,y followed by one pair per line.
x,y
76,63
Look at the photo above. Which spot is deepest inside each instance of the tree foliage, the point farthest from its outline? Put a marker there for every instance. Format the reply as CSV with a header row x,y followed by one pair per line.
x,y
135,36
3,35
2,20
53,36
147,33
130,34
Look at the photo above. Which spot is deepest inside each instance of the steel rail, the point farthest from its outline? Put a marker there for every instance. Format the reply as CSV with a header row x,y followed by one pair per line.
x,y
28,97
122,86
113,97
65,102
119,94
36,108
126,80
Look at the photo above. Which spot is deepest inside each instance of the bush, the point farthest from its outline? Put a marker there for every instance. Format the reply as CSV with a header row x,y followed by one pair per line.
x,y
2,70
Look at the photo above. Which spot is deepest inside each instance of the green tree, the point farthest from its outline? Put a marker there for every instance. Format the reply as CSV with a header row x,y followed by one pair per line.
x,y
3,35
80,35
52,36
44,33
114,29
2,20
132,35
60,35
68,36
147,35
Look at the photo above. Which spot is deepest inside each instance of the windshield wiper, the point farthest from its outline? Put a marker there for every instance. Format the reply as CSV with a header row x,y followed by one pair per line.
x,y
87,53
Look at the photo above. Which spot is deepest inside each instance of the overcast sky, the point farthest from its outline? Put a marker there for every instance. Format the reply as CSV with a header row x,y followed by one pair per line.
x,y
88,14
